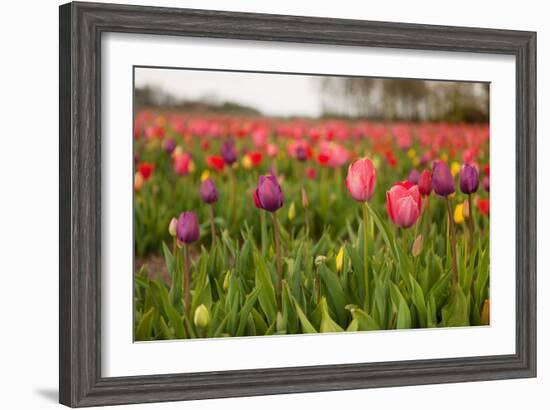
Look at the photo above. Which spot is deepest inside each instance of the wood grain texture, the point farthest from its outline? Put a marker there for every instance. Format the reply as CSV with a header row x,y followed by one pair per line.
x,y
81,26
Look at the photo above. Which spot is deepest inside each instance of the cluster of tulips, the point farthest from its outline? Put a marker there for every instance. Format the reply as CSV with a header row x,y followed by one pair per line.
x,y
320,263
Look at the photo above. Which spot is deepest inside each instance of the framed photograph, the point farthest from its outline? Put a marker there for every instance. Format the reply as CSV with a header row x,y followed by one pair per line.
x,y
262,204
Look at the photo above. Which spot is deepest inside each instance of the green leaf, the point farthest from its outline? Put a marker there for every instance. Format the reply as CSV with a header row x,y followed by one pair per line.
x,y
328,325
456,312
266,297
307,327
143,331
245,310
363,319
169,259
335,294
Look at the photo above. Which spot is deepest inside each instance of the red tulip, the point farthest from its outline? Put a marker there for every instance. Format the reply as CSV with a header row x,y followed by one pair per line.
x,y
146,170
255,158
484,206
215,162
403,204
361,179
425,182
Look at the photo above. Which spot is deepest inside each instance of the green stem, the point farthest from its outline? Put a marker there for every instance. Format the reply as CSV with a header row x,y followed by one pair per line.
x,y
233,196
454,276
277,255
187,281
471,223
366,254
212,226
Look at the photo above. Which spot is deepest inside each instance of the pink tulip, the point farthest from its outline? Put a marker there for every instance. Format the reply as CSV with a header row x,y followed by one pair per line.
x,y
403,204
361,179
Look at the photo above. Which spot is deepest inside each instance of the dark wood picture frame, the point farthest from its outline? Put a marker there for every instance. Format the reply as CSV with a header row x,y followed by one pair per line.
x,y
81,28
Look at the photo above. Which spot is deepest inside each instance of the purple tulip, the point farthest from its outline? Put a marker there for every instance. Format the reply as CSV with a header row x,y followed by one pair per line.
x,y
443,182
486,183
301,154
169,145
469,179
414,176
208,191
228,152
187,230
268,194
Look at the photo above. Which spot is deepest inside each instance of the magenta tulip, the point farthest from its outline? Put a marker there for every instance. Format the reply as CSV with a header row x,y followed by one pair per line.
x,y
361,179
403,204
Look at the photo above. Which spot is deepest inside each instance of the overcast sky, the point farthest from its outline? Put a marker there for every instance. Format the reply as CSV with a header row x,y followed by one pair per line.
x,y
273,94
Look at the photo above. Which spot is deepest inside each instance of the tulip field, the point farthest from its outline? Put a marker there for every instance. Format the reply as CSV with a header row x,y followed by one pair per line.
x,y
273,226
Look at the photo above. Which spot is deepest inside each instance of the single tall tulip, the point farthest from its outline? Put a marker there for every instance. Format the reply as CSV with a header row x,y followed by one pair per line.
x,y
187,232
403,204
361,181
268,196
444,185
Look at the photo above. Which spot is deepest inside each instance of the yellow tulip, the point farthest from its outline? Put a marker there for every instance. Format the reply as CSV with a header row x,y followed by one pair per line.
x,y
411,153
340,259
444,157
455,168
246,162
138,181
458,215
205,175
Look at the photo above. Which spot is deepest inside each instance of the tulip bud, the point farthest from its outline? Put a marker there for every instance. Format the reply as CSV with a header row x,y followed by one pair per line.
x,y
361,179
417,245
202,316
268,194
172,227
291,212
485,313
226,280
319,260
469,179
138,182
188,230
340,259
208,191
305,202
443,182
425,182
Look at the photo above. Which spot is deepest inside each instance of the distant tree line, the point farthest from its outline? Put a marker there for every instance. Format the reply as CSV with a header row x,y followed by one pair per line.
x,y
405,99
152,97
